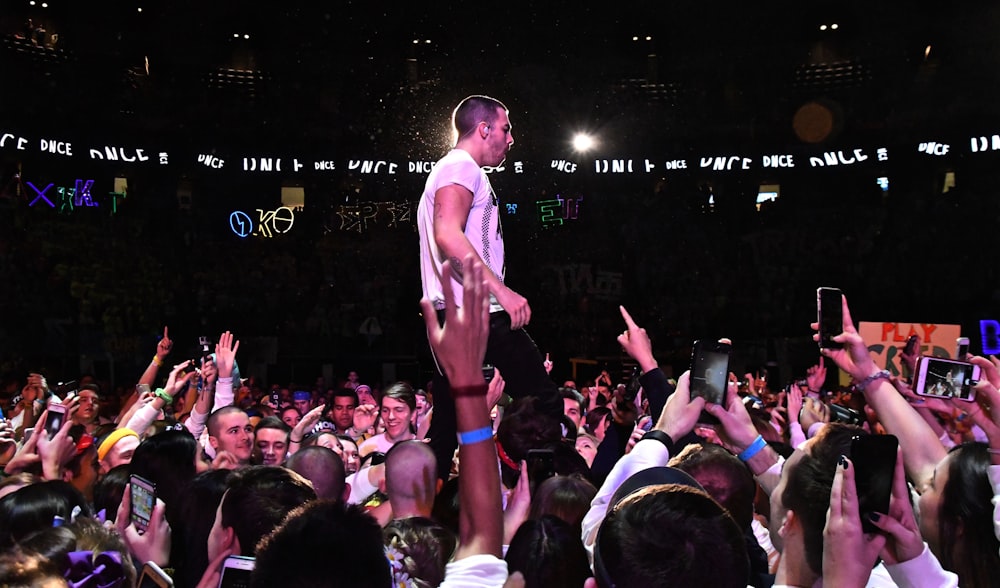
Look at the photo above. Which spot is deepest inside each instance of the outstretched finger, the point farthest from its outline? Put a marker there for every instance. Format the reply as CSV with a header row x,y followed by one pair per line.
x,y
629,322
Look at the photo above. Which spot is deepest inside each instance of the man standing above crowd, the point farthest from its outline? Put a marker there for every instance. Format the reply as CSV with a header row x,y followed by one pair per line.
x,y
459,215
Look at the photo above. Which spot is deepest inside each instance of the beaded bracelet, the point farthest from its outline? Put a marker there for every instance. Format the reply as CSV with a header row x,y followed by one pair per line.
x,y
753,449
879,375
476,436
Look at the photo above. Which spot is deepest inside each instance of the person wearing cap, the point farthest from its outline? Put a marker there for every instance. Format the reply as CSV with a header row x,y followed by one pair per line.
x,y
302,401
117,449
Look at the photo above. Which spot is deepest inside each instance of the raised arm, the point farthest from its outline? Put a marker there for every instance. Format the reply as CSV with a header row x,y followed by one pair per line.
x,y
923,447
460,346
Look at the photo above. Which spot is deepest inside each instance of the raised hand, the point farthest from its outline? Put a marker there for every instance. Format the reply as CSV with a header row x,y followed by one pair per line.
x,y
848,553
225,354
816,376
636,343
164,346
853,358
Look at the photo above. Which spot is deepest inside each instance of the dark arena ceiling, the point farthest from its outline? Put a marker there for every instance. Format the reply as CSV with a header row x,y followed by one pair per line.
x,y
646,74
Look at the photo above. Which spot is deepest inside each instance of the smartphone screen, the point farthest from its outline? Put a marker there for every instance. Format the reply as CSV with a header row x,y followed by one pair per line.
x,y
54,422
236,572
830,316
143,496
488,373
874,458
710,374
945,378
541,466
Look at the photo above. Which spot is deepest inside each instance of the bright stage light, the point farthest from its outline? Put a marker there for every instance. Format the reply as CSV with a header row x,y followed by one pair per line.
x,y
583,142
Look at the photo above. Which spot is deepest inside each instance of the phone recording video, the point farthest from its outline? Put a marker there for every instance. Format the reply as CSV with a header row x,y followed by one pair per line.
x,y
874,459
939,377
962,348
829,316
710,374
143,498
55,420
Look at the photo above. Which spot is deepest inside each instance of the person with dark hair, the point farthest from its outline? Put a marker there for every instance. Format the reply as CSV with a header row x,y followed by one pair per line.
x,y
596,422
109,490
198,507
397,406
523,427
573,406
342,405
332,545
548,553
324,469
289,415
458,216
256,501
419,547
271,441
566,497
36,507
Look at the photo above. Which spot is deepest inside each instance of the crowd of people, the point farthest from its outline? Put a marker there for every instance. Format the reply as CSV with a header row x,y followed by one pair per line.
x,y
628,486
492,473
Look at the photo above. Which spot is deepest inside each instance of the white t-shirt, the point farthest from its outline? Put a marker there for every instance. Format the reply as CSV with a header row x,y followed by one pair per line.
x,y
475,571
482,228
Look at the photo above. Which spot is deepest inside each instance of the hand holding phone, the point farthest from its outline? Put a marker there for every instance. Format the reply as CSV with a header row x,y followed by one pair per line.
x,y
142,494
710,374
874,459
541,466
153,576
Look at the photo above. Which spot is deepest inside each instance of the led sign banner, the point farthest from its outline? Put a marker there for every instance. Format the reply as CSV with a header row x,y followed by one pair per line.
x,y
282,161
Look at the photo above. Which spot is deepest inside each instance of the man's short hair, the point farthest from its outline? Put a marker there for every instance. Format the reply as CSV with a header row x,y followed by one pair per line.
x,y
473,110
723,476
259,498
668,534
402,392
573,395
212,424
273,422
321,466
323,543
350,392
807,490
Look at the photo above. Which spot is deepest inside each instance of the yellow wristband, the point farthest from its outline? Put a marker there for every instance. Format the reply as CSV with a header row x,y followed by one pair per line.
x,y
157,361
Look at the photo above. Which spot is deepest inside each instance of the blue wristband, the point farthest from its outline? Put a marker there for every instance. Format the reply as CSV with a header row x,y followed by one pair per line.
x,y
753,449
477,436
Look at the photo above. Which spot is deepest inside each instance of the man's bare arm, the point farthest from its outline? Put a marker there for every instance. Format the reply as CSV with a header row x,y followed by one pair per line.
x,y
452,205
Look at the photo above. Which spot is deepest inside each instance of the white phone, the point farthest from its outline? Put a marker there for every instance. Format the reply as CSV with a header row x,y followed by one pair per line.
x,y
236,572
153,576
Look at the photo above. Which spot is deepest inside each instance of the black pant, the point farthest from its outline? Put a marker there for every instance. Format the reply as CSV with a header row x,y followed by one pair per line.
x,y
519,362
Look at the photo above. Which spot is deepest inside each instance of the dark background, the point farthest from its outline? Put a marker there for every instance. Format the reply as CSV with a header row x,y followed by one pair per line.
x,y
91,291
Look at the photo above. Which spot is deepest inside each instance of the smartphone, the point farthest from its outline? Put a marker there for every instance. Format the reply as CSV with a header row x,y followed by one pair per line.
x,y
710,374
961,348
276,398
55,420
143,496
842,414
829,316
911,345
27,435
874,459
541,466
153,576
236,572
939,377
488,372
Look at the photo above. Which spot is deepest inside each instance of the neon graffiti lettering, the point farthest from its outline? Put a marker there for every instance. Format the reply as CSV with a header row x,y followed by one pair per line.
x,y
40,194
